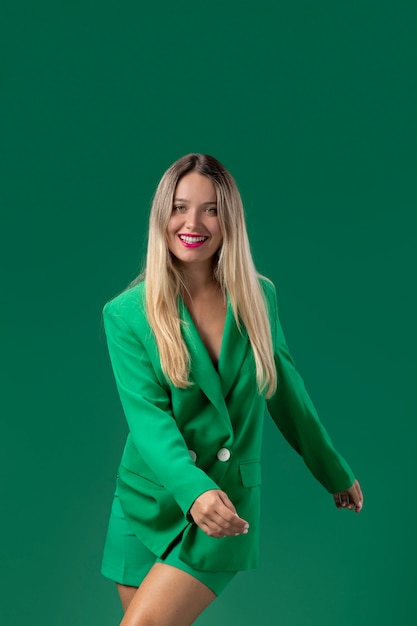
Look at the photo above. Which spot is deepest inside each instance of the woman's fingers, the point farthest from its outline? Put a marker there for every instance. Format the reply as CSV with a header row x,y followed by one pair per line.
x,y
216,515
355,494
351,499
227,502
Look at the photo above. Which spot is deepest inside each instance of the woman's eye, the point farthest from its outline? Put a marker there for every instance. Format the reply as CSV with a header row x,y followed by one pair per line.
x,y
213,210
179,207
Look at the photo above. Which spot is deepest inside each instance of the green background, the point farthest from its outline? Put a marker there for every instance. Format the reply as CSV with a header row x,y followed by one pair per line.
x,y
312,106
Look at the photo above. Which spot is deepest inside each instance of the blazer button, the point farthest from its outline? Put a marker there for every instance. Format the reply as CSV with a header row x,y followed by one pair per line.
x,y
223,454
192,455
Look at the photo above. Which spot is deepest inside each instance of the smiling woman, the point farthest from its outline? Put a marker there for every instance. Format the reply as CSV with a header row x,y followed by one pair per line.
x,y
197,351
194,224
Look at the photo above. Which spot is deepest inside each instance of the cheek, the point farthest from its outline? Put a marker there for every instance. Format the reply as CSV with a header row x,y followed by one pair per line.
x,y
169,237
171,227
219,234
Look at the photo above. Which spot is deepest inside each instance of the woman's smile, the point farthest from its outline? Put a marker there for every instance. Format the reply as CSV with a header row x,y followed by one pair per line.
x,y
192,241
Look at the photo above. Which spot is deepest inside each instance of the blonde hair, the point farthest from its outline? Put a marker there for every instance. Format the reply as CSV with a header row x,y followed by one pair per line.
x,y
233,269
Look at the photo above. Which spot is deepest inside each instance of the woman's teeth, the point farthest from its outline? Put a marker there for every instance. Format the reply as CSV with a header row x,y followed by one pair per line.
x,y
189,239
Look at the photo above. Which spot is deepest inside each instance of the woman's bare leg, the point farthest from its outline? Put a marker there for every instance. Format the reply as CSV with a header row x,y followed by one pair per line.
x,y
167,597
126,594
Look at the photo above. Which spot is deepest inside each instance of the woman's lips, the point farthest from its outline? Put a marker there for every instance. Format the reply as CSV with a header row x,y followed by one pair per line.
x,y
192,241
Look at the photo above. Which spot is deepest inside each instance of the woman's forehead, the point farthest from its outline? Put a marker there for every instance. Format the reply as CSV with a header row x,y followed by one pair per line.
x,y
195,186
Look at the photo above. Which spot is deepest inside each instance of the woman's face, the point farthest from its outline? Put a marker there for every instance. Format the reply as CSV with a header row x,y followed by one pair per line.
x,y
193,231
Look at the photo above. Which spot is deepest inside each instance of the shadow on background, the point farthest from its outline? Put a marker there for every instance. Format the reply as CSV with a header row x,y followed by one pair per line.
x,y
312,108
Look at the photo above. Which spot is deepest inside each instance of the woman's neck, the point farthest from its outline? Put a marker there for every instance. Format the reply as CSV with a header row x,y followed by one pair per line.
x,y
198,279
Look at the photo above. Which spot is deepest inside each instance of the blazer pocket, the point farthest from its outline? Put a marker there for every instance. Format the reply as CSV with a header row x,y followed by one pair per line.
x,y
138,477
250,472
132,461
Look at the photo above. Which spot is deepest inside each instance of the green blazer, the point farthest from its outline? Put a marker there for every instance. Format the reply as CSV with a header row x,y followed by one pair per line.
x,y
183,442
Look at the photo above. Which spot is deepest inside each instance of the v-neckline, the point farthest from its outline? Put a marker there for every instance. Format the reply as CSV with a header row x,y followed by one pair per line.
x,y
215,382
190,321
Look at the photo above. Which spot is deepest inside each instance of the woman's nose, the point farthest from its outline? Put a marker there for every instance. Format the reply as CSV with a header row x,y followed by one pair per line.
x,y
192,219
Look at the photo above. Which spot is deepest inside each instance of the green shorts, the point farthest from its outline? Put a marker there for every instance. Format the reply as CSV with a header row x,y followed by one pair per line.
x,y
127,561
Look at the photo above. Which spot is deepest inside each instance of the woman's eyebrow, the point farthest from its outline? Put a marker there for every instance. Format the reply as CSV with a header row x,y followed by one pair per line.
x,y
184,200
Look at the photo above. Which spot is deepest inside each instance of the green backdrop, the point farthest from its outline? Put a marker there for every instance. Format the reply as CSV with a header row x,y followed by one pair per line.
x,y
312,106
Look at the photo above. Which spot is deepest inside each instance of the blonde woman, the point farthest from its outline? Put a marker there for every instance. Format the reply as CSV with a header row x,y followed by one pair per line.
x,y
198,352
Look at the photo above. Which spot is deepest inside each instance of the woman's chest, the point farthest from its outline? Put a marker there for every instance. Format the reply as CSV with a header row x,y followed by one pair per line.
x,y
209,320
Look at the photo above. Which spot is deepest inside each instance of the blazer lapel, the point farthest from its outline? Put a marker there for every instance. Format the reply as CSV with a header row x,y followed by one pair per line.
x,y
235,344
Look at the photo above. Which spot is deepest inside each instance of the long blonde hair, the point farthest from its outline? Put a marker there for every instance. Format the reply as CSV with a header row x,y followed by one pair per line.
x,y
233,269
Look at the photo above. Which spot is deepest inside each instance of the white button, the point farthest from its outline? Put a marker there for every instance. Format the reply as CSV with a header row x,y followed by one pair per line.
x,y
192,455
223,454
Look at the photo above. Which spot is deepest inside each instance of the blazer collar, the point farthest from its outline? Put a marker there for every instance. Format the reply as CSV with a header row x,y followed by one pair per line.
x,y
214,383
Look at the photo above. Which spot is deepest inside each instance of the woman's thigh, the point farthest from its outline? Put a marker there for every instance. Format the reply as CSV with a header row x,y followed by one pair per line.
x,y
126,594
168,597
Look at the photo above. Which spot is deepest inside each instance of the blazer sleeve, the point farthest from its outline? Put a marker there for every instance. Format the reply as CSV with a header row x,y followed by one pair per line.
x,y
147,409
293,412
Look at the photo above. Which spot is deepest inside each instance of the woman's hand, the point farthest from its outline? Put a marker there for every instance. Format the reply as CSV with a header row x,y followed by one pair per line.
x,y
215,514
351,499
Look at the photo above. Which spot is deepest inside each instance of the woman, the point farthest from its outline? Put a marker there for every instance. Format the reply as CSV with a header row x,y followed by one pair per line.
x,y
197,351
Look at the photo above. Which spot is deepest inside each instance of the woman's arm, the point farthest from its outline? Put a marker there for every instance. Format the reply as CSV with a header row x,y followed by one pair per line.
x,y
295,415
